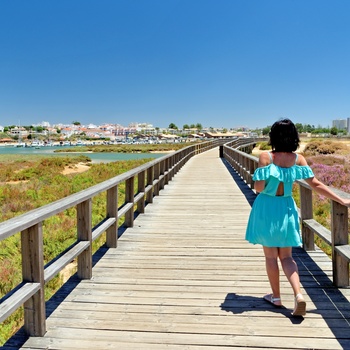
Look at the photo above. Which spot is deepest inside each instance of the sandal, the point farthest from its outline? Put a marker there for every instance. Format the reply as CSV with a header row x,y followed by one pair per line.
x,y
299,306
276,302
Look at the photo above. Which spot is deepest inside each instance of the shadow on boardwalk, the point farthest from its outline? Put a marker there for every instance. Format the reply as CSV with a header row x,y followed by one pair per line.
x,y
246,190
18,339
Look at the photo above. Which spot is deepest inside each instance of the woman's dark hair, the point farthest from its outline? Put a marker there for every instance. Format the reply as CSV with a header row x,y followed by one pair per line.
x,y
284,136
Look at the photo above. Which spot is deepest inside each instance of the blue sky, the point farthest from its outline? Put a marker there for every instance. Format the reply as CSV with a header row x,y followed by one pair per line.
x,y
221,63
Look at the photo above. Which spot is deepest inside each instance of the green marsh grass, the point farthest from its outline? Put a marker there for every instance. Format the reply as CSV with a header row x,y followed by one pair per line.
x,y
128,148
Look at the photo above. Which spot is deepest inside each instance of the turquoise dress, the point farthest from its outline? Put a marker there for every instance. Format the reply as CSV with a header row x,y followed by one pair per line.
x,y
274,220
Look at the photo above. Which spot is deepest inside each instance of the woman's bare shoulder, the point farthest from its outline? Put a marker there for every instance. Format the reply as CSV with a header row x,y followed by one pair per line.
x,y
264,159
301,160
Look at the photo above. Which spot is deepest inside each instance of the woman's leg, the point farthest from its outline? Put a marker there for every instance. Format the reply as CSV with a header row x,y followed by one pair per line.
x,y
290,268
271,263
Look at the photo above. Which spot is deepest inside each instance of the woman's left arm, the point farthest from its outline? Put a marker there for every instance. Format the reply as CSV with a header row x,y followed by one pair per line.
x,y
264,160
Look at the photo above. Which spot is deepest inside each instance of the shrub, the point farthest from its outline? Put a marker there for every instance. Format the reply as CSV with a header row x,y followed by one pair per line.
x,y
264,146
324,147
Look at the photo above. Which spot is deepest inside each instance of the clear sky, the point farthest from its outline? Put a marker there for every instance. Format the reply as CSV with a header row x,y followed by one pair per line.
x,y
221,63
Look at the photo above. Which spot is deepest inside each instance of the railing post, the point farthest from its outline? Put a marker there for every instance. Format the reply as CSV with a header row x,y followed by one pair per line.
x,y
129,198
84,223
156,177
171,169
177,161
166,169
33,271
245,170
340,236
197,149
112,212
141,189
161,173
251,173
150,178
183,155
241,164
306,213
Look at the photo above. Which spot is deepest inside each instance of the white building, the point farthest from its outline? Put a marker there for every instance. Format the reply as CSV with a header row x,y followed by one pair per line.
x,y
42,124
340,124
19,131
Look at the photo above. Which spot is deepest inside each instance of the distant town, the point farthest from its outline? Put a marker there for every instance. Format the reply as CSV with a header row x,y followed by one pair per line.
x,y
64,134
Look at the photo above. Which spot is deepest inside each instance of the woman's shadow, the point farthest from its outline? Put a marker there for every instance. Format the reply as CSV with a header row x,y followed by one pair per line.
x,y
238,304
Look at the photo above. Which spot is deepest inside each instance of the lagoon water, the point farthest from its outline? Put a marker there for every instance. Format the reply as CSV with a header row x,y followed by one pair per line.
x,y
95,157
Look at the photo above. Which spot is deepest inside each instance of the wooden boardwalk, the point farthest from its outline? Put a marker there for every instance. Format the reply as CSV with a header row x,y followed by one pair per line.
x,y
184,278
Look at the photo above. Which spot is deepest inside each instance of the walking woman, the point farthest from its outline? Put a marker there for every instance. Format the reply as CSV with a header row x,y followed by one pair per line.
x,y
274,221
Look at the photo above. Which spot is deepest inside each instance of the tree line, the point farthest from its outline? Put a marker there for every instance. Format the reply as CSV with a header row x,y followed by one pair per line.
x,y
197,126
311,129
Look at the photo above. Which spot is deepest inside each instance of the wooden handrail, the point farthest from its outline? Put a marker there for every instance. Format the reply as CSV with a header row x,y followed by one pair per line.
x,y
338,237
151,178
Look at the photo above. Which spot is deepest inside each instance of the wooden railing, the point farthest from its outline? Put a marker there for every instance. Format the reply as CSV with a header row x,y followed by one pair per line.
x,y
149,178
338,237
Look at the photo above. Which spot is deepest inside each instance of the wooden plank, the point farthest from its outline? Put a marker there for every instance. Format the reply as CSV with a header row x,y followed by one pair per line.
x,y
17,298
97,231
165,324
53,269
187,339
181,314
74,344
320,230
125,209
344,251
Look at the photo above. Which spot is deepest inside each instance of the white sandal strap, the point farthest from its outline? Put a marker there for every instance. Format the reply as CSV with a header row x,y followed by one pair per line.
x,y
275,299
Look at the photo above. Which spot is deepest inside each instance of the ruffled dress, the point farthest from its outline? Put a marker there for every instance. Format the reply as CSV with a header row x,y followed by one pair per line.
x,y
274,220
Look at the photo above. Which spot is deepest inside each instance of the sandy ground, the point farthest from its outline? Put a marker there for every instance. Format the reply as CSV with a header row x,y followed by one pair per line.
x,y
71,169
75,169
169,151
81,167
301,147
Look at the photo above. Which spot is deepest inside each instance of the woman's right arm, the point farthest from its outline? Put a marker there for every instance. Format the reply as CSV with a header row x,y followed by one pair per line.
x,y
324,190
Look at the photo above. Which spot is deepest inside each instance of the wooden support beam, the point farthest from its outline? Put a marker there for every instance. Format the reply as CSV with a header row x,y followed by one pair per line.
x,y
33,271
84,227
